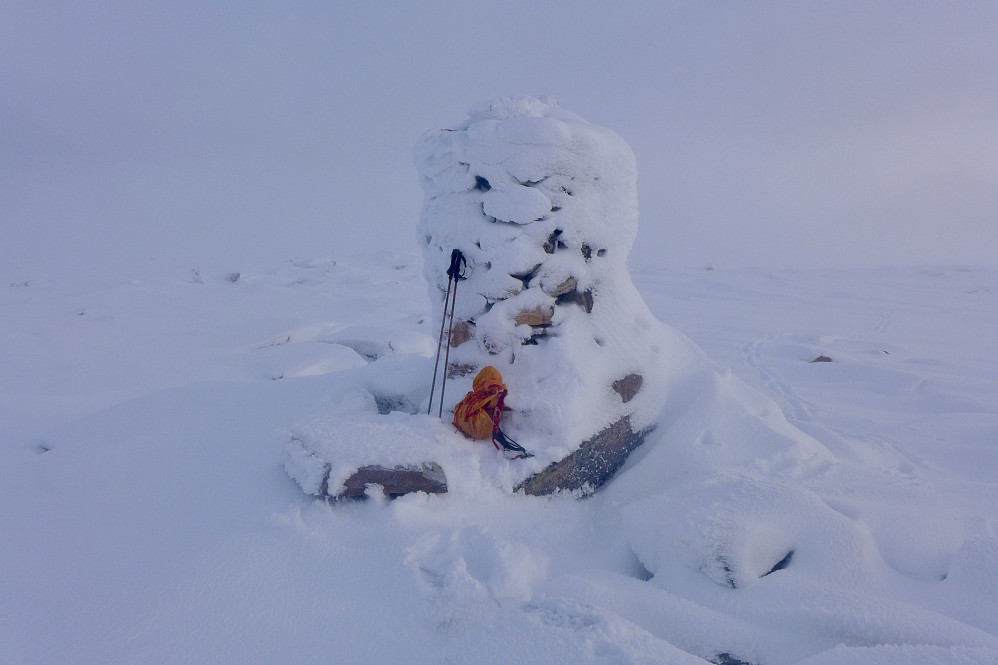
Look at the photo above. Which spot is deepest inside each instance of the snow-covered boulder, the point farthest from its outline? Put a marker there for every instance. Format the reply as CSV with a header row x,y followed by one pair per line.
x,y
543,205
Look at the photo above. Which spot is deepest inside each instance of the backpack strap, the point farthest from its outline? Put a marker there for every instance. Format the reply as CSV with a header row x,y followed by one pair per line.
x,y
500,440
497,414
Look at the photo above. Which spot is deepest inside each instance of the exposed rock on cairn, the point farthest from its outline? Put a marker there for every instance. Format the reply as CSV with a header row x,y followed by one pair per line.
x,y
544,207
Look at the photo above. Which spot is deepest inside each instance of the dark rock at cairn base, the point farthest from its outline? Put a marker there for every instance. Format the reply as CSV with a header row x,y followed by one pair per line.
x,y
396,481
591,466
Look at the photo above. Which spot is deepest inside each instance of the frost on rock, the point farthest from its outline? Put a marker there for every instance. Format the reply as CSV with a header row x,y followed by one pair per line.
x,y
543,205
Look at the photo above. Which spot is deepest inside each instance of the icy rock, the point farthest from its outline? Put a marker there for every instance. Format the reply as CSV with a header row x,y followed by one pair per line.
x,y
543,205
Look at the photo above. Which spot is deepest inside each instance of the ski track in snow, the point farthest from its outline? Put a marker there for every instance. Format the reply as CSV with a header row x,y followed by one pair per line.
x,y
146,516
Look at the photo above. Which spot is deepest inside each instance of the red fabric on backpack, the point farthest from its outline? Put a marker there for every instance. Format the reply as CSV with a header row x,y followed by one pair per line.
x,y
477,414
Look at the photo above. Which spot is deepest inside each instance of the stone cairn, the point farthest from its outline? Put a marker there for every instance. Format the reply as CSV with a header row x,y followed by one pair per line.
x,y
543,205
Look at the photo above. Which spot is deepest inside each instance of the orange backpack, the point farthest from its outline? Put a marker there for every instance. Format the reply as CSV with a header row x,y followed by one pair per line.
x,y
478,414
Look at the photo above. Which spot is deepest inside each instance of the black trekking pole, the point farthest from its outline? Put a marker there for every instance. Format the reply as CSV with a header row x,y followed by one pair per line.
x,y
440,339
454,272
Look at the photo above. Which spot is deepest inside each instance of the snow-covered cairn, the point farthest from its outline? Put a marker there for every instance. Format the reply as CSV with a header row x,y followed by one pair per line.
x,y
543,205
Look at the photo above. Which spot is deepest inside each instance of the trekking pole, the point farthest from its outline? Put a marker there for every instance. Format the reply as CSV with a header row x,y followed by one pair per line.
x,y
440,339
454,272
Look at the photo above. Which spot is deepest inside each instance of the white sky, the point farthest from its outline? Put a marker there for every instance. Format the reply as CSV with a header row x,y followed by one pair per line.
x,y
766,133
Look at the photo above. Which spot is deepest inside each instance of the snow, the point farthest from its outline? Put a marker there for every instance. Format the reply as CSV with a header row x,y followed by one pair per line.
x,y
146,513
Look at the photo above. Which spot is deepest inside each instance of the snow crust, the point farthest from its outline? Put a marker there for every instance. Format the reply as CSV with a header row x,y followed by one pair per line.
x,y
146,514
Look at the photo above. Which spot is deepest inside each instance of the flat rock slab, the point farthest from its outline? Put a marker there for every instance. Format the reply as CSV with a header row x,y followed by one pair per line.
x,y
336,457
396,481
589,467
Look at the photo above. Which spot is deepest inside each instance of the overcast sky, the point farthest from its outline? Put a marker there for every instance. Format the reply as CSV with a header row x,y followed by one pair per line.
x,y
221,134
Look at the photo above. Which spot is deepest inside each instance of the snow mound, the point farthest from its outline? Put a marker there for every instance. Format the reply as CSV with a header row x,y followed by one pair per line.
x,y
737,531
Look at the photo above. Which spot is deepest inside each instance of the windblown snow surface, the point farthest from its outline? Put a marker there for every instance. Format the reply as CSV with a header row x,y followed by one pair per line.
x,y
782,511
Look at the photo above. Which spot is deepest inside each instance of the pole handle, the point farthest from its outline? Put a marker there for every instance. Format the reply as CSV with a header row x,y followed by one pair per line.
x,y
457,265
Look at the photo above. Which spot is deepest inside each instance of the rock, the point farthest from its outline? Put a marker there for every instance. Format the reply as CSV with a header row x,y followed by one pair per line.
x,y
822,359
462,332
583,300
332,461
389,403
396,481
526,277
727,659
539,316
591,466
553,243
537,333
781,564
628,386
457,370
565,287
